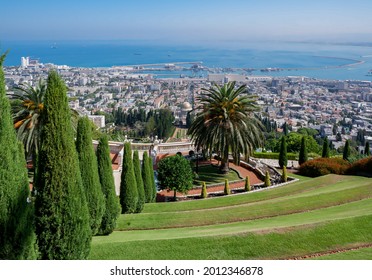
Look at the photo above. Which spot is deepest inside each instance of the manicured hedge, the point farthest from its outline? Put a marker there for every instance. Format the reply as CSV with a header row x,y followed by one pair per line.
x,y
290,156
323,166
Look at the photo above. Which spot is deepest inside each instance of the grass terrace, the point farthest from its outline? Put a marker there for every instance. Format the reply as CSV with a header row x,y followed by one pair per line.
x,y
311,217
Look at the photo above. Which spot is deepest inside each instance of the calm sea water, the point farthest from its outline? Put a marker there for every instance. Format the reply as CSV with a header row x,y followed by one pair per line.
x,y
244,55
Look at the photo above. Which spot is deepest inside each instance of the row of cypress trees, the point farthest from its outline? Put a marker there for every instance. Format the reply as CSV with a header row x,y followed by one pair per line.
x,y
17,237
75,192
137,185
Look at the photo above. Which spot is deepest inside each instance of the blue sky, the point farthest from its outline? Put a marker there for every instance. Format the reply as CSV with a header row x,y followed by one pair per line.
x,y
186,20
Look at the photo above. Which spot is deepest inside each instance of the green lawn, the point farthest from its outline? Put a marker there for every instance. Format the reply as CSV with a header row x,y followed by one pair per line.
x,y
306,217
210,175
273,245
360,254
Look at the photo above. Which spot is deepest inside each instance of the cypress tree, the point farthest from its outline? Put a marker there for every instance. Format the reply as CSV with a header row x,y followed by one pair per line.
x,y
325,151
284,174
267,179
366,149
152,178
346,153
283,159
146,177
247,185
112,209
227,190
302,158
140,188
204,193
17,237
89,173
128,184
62,215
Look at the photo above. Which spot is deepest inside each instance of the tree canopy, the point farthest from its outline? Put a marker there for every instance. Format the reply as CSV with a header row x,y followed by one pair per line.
x,y
175,173
225,122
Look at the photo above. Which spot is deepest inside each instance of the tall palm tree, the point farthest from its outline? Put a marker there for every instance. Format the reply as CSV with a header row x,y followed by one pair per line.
x,y
27,109
26,114
225,122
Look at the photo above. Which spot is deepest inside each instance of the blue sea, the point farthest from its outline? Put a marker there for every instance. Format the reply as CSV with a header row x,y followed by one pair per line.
x,y
304,59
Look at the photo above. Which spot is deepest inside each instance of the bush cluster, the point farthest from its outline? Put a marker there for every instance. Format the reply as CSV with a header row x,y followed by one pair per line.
x,y
361,167
323,166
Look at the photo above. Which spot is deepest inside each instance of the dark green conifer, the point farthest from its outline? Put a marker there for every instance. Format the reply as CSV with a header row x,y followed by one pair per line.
x,y
325,151
128,184
302,158
112,209
146,177
140,188
62,215
346,153
152,178
283,159
366,149
89,173
17,237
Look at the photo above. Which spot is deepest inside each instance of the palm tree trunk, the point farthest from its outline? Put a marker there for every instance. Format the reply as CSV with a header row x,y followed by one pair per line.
x,y
224,167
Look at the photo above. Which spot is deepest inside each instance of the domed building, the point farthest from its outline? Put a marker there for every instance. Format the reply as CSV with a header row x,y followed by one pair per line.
x,y
185,108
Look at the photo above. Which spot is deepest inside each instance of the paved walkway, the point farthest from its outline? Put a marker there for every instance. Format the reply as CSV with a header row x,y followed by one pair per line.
x,y
253,179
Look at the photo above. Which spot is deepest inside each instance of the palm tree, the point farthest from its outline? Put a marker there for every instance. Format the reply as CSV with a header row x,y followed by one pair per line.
x,y
27,109
26,114
226,123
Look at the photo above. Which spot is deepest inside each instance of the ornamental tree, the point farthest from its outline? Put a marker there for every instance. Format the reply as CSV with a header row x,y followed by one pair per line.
x,y
62,216
325,151
89,173
106,177
140,188
17,237
128,184
147,179
175,173
302,158
283,159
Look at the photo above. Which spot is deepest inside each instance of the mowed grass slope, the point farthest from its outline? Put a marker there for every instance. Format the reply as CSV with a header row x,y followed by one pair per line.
x,y
303,218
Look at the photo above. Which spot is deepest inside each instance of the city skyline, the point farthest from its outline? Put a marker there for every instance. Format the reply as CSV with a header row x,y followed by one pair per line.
x,y
186,21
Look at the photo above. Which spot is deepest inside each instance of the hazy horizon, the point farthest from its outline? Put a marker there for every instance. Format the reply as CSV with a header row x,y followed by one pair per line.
x,y
191,21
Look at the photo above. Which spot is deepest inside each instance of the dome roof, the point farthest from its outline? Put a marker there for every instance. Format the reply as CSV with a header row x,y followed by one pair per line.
x,y
186,106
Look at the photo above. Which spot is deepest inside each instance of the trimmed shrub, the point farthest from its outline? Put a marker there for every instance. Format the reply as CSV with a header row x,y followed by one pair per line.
x,y
128,184
266,155
204,193
267,179
284,174
89,173
106,177
361,167
17,237
227,190
323,166
62,215
140,189
247,185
